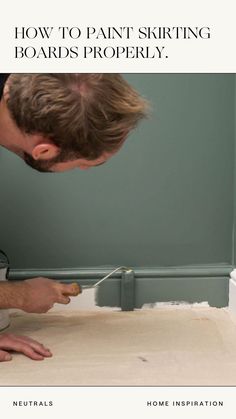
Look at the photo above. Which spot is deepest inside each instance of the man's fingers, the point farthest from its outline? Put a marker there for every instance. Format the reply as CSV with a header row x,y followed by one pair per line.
x,y
70,289
36,346
25,348
66,290
5,356
23,344
62,299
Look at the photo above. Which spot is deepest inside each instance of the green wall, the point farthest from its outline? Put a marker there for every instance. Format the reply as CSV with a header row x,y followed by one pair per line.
x,y
234,191
165,200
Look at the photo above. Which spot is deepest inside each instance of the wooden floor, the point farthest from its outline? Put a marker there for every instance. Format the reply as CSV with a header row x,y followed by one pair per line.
x,y
165,346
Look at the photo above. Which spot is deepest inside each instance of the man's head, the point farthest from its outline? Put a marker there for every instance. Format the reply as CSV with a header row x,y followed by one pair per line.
x,y
71,120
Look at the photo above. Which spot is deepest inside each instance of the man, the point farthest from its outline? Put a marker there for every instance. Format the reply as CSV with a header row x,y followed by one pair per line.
x,y
58,122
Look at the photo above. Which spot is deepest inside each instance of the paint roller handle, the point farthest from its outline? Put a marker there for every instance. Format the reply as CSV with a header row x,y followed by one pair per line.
x,y
76,290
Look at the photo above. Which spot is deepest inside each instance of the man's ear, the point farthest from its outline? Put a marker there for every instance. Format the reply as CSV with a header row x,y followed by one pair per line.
x,y
45,151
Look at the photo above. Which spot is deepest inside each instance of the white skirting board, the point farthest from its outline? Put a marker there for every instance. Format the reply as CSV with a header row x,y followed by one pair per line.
x,y
232,293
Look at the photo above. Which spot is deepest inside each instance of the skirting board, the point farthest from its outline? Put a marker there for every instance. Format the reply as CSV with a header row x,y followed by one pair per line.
x,y
232,292
190,284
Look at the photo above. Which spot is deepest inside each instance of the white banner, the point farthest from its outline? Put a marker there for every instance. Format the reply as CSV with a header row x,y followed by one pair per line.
x,y
153,36
118,402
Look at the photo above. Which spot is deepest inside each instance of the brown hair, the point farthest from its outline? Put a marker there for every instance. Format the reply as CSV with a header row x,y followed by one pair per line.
x,y
83,114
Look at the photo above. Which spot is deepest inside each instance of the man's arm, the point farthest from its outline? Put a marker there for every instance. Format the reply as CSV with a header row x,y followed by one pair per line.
x,y
11,295
36,295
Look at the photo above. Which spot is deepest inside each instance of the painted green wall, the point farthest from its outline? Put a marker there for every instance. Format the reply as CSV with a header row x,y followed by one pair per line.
x,y
166,199
234,188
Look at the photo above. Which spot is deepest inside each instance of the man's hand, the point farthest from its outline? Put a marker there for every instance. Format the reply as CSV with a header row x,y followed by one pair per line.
x,y
35,295
40,294
22,344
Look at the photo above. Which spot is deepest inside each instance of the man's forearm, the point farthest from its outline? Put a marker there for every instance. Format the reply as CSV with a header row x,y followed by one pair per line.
x,y
36,295
12,294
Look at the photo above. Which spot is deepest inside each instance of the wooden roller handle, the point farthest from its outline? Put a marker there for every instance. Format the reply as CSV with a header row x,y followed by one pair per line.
x,y
76,291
